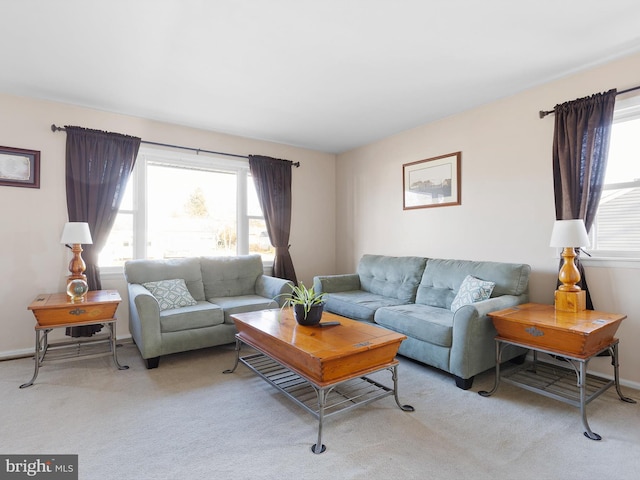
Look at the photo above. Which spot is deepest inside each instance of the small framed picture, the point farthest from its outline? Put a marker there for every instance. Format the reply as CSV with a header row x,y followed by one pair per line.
x,y
19,168
434,182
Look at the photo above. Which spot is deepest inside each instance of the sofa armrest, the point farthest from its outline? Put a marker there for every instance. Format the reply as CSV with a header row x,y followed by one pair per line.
x,y
144,320
336,283
273,288
473,342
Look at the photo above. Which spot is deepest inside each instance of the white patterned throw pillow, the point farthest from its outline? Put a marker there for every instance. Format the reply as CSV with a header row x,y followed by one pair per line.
x,y
170,293
472,290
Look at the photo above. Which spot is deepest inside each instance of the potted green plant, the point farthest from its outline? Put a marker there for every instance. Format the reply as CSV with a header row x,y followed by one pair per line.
x,y
307,304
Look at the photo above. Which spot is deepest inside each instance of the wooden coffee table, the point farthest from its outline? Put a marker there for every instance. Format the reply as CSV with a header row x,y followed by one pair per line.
x,y
323,368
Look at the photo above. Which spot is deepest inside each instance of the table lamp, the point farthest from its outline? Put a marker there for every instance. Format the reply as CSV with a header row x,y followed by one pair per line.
x,y
569,235
74,235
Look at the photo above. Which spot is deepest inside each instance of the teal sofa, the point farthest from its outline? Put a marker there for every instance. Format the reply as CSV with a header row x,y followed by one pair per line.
x,y
414,296
170,320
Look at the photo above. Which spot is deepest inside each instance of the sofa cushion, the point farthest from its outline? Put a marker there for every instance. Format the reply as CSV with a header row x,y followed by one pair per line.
x,y
203,314
230,276
429,324
442,279
394,277
243,303
472,290
170,293
357,304
141,271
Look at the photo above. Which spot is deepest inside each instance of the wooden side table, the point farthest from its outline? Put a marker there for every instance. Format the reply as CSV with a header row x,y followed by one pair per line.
x,y
574,337
56,310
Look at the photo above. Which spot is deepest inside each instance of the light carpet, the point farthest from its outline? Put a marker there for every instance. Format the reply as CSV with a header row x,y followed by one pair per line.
x,y
187,420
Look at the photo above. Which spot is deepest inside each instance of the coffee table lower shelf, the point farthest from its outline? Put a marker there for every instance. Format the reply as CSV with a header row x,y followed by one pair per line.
x,y
322,401
343,396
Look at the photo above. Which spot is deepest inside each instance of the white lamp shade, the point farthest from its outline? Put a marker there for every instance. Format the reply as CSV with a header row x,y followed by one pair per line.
x,y
76,232
569,233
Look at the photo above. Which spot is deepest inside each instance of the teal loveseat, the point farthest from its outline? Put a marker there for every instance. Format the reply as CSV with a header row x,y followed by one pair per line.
x,y
414,296
184,304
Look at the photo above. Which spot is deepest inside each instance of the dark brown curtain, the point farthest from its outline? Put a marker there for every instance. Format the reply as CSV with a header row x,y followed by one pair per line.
x,y
98,165
272,178
580,150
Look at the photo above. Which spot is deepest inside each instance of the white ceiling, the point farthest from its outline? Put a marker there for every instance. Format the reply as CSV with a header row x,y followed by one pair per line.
x,y
328,75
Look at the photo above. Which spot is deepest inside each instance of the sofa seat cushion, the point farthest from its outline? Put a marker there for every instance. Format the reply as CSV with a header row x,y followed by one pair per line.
x,y
242,303
429,324
203,314
357,304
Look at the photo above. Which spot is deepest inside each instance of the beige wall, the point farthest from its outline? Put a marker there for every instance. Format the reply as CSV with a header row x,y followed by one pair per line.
x,y
507,209
33,261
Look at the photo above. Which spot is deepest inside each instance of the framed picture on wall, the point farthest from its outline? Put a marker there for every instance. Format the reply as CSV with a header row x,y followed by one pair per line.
x,y
19,168
434,182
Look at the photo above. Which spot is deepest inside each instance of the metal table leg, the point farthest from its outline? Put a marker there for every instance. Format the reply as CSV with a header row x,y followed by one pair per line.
x,y
112,328
394,376
582,385
41,350
322,393
613,349
235,365
318,447
499,348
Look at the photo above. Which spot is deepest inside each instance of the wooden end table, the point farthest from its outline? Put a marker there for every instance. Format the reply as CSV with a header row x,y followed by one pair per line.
x,y
572,337
322,369
56,310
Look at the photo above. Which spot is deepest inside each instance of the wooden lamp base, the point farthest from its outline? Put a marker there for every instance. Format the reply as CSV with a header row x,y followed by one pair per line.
x,y
571,301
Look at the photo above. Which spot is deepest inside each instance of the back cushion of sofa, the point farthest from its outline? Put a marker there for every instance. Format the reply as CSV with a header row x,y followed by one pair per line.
x,y
187,269
395,277
442,279
230,276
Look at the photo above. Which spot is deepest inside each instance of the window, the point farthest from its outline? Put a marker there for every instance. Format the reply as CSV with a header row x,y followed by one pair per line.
x,y
180,205
616,229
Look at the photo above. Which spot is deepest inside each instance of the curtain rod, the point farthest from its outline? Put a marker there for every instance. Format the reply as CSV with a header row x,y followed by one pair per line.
x,y
55,128
549,112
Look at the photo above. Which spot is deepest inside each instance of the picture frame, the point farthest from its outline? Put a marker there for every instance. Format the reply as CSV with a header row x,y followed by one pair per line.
x,y
19,167
433,182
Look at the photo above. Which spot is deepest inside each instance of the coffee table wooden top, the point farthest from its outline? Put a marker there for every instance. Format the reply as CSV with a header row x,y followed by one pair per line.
x,y
322,355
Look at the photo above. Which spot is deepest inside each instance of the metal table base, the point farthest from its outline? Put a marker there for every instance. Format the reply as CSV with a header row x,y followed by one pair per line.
x,y
320,401
570,385
72,350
